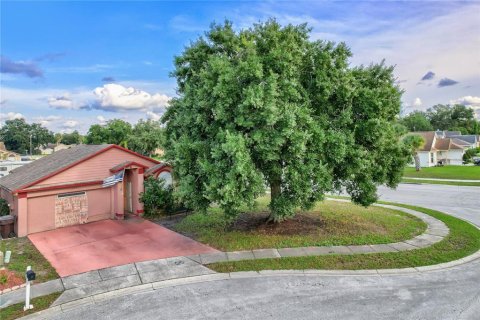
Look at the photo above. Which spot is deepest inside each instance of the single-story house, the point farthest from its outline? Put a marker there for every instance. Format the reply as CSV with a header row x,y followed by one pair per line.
x,y
443,147
81,184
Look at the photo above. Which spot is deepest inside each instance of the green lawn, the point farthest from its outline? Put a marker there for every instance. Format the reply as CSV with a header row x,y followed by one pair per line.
x,y
25,254
463,240
446,172
449,183
329,223
16,310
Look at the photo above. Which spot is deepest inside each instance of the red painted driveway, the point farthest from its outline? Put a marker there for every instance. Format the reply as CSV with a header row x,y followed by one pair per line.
x,y
109,243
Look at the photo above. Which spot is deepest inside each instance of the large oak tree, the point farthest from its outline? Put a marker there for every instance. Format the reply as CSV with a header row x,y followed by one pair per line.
x,y
267,106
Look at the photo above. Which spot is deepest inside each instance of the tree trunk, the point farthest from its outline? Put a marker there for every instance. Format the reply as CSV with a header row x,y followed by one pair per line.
x,y
275,191
417,161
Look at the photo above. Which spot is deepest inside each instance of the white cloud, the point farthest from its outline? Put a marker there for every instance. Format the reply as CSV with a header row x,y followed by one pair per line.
x,y
48,120
101,120
154,116
417,102
61,102
469,101
11,116
70,124
115,97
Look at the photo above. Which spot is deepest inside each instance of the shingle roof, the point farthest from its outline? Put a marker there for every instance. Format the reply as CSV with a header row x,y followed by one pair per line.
x,y
155,168
471,139
442,144
44,166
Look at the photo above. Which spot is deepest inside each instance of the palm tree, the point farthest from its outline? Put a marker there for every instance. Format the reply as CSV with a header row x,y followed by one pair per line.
x,y
415,142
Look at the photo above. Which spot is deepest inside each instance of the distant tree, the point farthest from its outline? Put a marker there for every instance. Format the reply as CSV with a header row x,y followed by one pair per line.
x,y
414,142
454,118
58,137
17,134
417,121
116,131
269,106
97,134
146,137
71,138
440,116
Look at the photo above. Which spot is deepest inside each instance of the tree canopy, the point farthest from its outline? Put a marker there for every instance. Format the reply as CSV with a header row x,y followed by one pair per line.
x,y
116,131
69,138
443,117
417,121
146,137
267,106
16,135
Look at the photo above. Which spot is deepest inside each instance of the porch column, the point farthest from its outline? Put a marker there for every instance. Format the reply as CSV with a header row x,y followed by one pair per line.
x,y
139,189
21,224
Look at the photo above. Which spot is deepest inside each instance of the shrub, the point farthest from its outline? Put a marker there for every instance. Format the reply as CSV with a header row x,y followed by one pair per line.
x,y
469,154
158,198
4,208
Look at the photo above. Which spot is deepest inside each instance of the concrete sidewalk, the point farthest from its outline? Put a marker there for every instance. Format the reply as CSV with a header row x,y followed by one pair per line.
x,y
110,279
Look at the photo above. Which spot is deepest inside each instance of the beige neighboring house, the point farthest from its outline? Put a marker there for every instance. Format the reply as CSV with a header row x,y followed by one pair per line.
x,y
54,147
8,155
444,147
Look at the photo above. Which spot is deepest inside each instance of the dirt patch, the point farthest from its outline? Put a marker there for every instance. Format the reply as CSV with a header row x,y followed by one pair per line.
x,y
9,279
301,224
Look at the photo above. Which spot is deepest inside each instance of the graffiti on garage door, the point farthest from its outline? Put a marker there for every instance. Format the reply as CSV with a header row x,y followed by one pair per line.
x,y
71,209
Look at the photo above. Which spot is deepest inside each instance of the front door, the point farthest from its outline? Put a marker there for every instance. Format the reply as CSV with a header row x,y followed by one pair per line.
x,y
128,192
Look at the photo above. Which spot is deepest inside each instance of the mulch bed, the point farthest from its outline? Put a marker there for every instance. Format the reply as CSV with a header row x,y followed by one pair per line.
x,y
300,224
9,279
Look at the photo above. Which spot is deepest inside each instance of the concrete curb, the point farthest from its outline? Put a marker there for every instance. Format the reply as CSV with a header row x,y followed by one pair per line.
x,y
91,300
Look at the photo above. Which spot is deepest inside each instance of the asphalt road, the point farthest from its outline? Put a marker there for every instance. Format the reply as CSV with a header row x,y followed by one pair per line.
x,y
462,202
446,294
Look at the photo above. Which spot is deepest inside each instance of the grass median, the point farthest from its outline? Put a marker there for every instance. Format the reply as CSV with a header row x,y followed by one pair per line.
x,y
463,240
328,223
446,172
15,311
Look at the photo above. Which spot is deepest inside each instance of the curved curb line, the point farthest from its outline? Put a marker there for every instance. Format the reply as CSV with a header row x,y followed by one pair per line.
x,y
436,231
150,287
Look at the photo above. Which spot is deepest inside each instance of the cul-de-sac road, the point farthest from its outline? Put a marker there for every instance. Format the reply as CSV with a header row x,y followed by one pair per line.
x,y
445,294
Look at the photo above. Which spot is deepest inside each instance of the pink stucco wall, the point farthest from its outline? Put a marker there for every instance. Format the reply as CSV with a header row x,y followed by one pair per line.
x,y
36,211
96,168
41,207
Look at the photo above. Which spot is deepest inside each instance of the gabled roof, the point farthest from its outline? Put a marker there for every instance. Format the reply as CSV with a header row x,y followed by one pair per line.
x,y
45,166
156,168
126,164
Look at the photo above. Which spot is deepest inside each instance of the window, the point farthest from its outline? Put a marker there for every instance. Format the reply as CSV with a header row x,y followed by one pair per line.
x,y
167,176
3,168
71,194
431,157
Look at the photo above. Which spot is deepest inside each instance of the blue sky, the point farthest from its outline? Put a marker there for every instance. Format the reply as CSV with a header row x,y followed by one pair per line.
x,y
71,64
